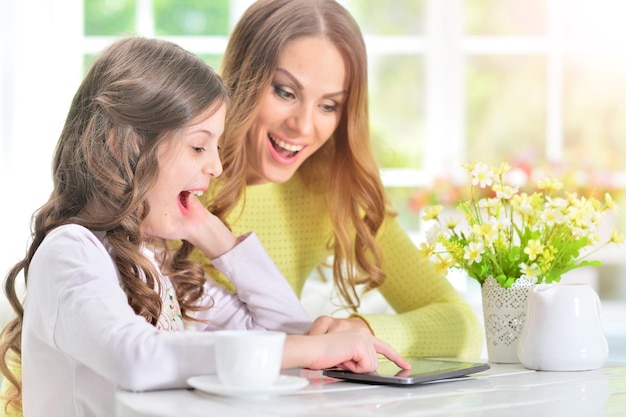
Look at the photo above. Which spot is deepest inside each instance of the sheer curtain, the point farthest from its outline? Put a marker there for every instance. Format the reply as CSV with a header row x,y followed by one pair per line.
x,y
40,69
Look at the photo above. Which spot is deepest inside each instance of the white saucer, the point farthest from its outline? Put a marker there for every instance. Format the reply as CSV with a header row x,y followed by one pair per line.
x,y
212,385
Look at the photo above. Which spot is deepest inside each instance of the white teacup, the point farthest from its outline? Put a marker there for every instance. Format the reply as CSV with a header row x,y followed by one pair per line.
x,y
248,358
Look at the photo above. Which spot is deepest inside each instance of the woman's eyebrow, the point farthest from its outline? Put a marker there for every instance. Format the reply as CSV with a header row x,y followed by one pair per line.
x,y
301,87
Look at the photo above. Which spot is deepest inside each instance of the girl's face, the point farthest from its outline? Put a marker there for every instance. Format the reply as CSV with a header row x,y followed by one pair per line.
x,y
187,163
299,111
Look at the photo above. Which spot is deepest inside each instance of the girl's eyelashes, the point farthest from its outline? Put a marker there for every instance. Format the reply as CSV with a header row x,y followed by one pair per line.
x,y
198,149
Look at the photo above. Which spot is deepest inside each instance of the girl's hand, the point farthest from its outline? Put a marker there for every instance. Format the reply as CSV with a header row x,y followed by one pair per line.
x,y
355,349
206,231
327,324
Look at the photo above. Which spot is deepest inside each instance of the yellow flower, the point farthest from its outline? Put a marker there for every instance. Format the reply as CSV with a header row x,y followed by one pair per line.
x,y
504,167
443,263
431,213
608,200
508,233
550,184
426,250
616,237
469,167
533,249
489,231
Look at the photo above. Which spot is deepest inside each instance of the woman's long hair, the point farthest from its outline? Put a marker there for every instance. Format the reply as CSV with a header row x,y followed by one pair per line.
x,y
344,169
137,94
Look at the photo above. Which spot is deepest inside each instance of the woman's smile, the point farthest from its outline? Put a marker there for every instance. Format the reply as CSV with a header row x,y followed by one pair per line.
x,y
284,151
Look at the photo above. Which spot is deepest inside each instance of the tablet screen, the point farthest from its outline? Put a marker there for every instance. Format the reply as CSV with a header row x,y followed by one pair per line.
x,y
422,370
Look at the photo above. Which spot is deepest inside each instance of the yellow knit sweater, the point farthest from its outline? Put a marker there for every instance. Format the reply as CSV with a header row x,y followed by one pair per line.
x,y
432,317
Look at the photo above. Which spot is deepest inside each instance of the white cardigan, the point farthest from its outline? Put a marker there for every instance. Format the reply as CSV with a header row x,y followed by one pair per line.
x,y
81,339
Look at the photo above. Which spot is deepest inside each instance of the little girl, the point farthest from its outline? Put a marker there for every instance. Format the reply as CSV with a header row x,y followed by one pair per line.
x,y
108,303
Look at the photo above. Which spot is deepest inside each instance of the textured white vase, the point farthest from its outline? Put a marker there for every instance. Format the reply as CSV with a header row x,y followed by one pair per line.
x,y
504,312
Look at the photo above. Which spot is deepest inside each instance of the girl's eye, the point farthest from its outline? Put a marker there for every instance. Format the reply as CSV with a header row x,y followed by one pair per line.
x,y
198,149
282,93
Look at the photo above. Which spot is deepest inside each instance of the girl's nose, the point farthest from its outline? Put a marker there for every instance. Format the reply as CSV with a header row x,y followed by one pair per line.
x,y
213,166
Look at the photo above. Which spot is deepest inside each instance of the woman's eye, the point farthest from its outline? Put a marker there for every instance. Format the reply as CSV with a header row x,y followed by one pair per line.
x,y
198,149
329,108
282,93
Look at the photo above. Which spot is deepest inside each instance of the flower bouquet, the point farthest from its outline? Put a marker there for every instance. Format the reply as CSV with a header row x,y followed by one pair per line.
x,y
507,234
510,240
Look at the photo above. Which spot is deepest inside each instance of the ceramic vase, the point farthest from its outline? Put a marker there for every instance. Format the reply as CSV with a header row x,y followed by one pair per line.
x,y
563,331
504,312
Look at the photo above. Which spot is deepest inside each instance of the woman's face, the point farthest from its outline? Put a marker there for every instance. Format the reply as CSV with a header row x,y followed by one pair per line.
x,y
299,111
187,163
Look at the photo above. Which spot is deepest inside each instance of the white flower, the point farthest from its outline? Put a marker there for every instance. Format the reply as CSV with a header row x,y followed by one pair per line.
x,y
538,236
450,223
504,192
482,175
473,252
531,271
558,203
433,232
554,216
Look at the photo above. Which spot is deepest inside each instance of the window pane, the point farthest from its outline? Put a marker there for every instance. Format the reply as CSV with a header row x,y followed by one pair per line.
x,y
109,18
88,60
214,61
506,17
396,109
595,23
191,17
402,201
506,98
594,113
389,17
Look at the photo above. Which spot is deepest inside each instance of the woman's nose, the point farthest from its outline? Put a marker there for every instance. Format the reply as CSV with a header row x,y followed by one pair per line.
x,y
301,121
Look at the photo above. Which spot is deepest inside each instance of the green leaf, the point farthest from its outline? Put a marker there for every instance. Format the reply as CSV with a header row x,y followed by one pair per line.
x,y
555,274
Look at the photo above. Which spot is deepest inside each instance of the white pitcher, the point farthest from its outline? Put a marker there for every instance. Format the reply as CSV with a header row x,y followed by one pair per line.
x,y
563,331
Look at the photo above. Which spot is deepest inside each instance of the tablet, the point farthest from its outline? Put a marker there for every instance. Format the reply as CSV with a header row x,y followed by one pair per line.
x,y
422,370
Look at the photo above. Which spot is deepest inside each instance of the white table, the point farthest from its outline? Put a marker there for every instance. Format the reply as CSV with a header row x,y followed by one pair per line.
x,y
504,390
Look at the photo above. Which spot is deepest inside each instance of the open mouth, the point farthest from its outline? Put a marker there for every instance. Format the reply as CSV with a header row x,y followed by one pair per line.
x,y
284,149
183,198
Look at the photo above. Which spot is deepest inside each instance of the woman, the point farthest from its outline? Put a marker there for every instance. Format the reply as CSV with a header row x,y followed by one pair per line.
x,y
299,171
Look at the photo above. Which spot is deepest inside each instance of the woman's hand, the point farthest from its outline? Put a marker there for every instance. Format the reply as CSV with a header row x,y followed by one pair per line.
x,y
327,324
355,349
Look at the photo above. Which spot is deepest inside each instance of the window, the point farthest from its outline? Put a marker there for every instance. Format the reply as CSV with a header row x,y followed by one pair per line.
x,y
531,82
